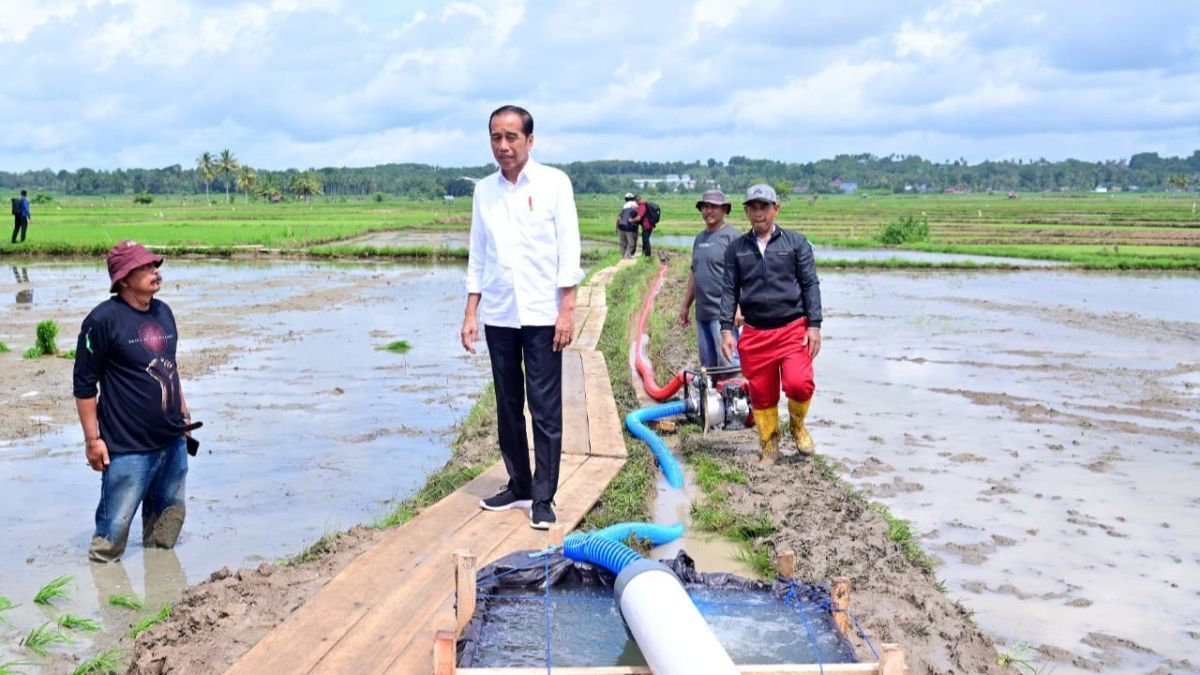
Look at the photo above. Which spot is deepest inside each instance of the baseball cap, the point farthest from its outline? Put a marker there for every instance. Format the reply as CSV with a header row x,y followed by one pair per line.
x,y
761,193
715,197
628,195
126,257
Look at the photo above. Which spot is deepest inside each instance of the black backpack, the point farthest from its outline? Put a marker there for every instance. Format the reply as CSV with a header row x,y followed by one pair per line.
x,y
653,213
16,209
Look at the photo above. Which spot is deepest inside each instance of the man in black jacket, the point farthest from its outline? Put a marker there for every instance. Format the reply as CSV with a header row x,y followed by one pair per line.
x,y
771,274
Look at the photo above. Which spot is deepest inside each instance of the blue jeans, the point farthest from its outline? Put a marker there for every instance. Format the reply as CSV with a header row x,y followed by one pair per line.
x,y
153,480
708,337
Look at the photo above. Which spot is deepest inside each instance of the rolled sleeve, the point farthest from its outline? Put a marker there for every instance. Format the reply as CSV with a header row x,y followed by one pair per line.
x,y
566,225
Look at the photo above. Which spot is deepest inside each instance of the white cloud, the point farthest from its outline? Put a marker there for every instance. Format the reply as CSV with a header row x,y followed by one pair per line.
x,y
108,83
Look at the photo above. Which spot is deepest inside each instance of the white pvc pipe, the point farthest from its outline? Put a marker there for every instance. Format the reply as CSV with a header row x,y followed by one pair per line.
x,y
665,623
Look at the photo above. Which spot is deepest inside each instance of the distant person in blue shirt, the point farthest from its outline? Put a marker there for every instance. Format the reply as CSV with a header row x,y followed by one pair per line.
x,y
20,216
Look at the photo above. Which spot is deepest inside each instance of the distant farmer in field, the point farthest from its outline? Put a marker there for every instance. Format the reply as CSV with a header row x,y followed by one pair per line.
x,y
772,275
646,221
20,211
131,406
627,227
707,277
522,270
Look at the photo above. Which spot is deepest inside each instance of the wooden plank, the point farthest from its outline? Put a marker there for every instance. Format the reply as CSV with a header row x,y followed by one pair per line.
x,y
578,494
304,637
607,436
589,334
769,669
312,630
575,438
405,612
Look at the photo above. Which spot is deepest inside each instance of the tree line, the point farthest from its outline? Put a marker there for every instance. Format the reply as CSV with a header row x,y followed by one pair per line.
x,y
893,173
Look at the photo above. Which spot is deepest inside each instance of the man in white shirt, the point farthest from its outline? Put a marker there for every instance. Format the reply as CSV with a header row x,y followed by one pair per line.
x,y
522,272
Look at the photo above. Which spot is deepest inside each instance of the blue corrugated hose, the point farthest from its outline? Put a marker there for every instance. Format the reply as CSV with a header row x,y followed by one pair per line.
x,y
635,421
611,555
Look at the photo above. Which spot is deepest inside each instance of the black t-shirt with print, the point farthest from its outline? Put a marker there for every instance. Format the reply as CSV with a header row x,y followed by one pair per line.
x,y
130,354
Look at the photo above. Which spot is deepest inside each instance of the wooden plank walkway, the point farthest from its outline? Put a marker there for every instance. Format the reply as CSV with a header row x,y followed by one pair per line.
x,y
380,613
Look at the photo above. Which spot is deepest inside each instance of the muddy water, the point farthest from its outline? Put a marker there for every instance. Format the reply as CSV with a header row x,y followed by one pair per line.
x,y
1041,430
309,427
883,254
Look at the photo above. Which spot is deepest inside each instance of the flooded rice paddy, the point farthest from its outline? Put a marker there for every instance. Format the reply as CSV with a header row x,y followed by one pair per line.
x,y
309,427
1039,428
880,254
1042,432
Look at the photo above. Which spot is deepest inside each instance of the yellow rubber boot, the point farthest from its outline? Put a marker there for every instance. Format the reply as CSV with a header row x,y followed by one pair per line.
x,y
797,411
767,423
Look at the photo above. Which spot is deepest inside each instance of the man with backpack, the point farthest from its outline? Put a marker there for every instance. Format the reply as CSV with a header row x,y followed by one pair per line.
x,y
648,214
627,227
20,211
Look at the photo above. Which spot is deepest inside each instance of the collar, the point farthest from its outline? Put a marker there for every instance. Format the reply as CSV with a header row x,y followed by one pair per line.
x,y
523,176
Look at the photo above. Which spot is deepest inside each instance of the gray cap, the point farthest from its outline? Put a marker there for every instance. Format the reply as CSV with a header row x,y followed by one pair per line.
x,y
761,193
714,197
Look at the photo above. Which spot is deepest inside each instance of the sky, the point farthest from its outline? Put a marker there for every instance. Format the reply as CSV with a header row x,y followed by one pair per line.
x,y
109,84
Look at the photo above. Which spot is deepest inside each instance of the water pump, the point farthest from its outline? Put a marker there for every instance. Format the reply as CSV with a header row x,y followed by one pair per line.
x,y
717,398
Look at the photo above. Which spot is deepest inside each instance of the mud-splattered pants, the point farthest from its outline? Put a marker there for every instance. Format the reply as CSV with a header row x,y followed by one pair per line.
x,y
153,480
771,356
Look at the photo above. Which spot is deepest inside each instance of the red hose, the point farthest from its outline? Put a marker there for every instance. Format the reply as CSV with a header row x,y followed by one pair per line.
x,y
643,366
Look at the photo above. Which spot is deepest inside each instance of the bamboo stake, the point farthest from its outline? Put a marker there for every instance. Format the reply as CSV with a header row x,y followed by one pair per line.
x,y
841,604
444,653
891,661
555,535
787,564
464,583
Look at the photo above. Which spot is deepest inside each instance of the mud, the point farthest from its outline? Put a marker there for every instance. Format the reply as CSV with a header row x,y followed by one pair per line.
x,y
1038,429
309,427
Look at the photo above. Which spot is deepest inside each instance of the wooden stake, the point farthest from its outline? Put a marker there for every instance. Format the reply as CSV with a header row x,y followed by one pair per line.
x,y
891,661
444,653
555,535
841,604
787,564
464,585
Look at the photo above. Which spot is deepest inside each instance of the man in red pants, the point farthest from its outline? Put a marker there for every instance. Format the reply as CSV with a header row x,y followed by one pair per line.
x,y
770,272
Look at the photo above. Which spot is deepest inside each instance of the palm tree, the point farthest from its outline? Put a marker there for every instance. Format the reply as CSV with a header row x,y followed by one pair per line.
x,y
246,178
306,184
227,164
206,168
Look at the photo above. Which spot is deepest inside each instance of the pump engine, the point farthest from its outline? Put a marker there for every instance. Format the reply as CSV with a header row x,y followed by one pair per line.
x,y
717,398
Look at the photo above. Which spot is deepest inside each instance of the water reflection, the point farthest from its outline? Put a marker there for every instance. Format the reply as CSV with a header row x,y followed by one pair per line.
x,y
25,296
163,576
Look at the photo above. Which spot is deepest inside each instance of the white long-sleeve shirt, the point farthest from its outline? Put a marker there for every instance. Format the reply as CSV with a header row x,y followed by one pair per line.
x,y
524,246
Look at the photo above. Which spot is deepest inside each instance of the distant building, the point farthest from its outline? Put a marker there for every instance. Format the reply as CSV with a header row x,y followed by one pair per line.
x,y
670,181
1100,188
848,187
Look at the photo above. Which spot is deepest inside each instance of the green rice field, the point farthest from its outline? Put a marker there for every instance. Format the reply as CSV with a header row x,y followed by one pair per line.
x,y
1129,230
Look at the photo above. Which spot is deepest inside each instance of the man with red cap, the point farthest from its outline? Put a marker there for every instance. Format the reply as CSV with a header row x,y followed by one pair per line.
x,y
131,406
770,273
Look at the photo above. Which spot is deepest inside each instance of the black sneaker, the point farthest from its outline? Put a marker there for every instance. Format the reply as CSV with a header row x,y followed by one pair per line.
x,y
504,501
542,515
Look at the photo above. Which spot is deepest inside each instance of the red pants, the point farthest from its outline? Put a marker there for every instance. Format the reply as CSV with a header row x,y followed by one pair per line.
x,y
769,353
